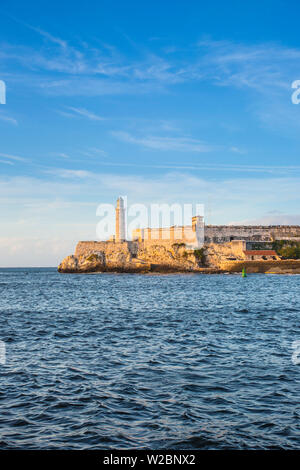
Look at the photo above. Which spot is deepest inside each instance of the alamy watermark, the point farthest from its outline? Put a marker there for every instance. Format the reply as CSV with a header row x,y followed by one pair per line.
x,y
296,94
158,221
2,353
2,92
296,353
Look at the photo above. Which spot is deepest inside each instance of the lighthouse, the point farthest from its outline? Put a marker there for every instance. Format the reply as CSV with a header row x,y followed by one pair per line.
x,y
120,221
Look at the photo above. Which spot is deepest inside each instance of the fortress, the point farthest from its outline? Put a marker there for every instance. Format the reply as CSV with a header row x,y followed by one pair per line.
x,y
193,236
196,234
190,248
250,233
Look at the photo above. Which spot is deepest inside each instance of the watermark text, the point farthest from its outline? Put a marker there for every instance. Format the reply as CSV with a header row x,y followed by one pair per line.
x,y
2,92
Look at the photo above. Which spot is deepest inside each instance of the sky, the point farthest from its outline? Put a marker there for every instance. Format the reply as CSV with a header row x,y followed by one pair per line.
x,y
162,101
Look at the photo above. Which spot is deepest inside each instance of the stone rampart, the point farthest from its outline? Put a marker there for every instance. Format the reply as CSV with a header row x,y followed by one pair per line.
x,y
85,248
227,233
276,267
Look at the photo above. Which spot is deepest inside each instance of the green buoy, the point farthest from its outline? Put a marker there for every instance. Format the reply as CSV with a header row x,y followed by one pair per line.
x,y
244,272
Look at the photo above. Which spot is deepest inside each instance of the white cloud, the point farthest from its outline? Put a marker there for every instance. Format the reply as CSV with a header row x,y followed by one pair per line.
x,y
50,37
85,113
41,32
63,155
12,157
20,252
64,208
98,152
237,150
273,219
265,67
65,173
91,187
10,120
181,144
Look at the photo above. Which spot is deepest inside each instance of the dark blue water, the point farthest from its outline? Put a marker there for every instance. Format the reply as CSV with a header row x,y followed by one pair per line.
x,y
133,361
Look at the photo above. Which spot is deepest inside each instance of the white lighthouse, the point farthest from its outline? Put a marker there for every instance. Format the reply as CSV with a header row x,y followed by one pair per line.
x,y
120,221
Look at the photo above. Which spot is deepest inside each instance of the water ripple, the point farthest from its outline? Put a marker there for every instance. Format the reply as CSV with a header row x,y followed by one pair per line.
x,y
132,361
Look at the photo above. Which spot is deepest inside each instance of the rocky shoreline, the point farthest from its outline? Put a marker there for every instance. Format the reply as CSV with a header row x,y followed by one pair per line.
x,y
97,263
108,257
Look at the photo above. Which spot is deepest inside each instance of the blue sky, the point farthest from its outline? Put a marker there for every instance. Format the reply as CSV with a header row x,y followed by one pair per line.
x,y
162,101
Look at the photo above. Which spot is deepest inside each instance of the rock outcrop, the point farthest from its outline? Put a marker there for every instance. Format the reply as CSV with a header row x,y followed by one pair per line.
x,y
135,257
129,257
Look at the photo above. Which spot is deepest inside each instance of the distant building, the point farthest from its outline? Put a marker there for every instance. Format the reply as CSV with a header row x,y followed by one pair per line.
x,y
259,255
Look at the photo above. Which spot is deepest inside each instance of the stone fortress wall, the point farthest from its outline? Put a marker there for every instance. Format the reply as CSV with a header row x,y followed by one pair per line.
x,y
234,238
86,248
213,234
191,235
259,233
179,249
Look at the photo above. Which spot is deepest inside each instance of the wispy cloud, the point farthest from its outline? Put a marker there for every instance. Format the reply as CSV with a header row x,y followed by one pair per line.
x,y
216,168
62,155
82,69
232,197
224,63
9,119
65,173
49,36
237,150
63,206
45,34
265,66
271,219
12,157
96,152
180,144
85,113
33,251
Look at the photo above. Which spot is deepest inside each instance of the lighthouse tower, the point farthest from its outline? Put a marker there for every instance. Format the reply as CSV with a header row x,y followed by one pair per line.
x,y
120,221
